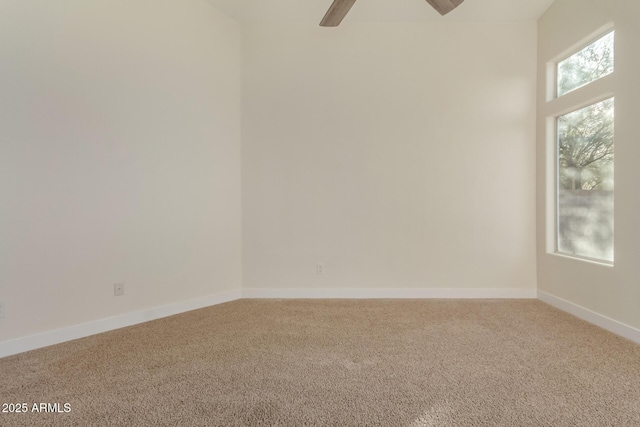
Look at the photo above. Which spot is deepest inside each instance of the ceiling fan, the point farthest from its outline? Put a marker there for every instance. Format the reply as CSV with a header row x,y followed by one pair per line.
x,y
340,8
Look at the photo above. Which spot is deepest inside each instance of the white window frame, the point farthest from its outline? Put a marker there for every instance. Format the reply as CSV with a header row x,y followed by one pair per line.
x,y
557,106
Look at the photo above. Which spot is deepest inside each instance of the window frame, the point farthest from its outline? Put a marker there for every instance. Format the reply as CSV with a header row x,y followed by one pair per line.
x,y
575,51
557,106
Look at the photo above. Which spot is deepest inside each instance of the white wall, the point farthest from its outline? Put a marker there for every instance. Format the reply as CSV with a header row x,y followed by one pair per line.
x,y
119,158
612,292
401,155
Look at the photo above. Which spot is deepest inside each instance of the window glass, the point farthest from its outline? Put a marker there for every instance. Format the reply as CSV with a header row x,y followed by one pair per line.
x,y
589,64
585,182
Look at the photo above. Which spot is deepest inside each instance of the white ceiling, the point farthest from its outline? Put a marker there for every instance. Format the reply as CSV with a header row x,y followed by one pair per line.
x,y
312,11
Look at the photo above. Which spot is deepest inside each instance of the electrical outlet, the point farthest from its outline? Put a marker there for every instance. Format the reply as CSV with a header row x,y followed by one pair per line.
x,y
320,269
118,289
2,309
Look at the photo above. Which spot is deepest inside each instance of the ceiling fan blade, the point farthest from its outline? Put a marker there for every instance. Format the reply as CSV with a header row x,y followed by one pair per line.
x,y
444,6
336,13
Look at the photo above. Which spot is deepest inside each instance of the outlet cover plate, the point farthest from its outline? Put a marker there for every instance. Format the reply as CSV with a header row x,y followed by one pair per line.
x,y
118,289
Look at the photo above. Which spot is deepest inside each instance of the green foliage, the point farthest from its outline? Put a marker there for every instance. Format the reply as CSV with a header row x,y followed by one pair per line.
x,y
589,64
585,147
585,137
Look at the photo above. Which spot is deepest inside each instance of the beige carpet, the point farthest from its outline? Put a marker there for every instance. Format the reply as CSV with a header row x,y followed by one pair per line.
x,y
406,363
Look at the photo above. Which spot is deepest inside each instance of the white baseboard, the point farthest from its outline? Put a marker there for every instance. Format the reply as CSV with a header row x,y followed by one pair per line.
x,y
57,336
611,325
390,293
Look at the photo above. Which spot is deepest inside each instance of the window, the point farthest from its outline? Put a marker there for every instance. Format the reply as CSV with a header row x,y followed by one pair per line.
x,y
585,182
591,63
584,158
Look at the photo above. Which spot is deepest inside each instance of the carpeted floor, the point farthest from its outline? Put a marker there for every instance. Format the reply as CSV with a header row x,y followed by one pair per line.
x,y
411,363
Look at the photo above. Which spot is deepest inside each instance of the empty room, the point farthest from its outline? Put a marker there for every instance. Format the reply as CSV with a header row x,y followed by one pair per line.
x,y
319,213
